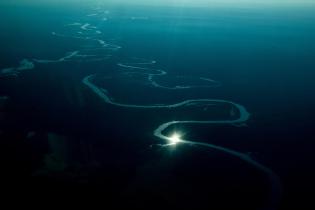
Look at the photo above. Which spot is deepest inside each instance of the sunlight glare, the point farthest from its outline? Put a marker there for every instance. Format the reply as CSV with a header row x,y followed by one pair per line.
x,y
175,138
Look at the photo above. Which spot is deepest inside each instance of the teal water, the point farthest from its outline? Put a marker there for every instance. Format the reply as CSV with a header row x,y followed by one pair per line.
x,y
91,96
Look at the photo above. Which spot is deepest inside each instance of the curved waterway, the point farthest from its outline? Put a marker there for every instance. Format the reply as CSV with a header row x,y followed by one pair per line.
x,y
101,49
176,138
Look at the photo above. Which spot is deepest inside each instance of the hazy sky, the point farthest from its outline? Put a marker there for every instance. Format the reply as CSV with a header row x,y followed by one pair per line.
x,y
175,2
